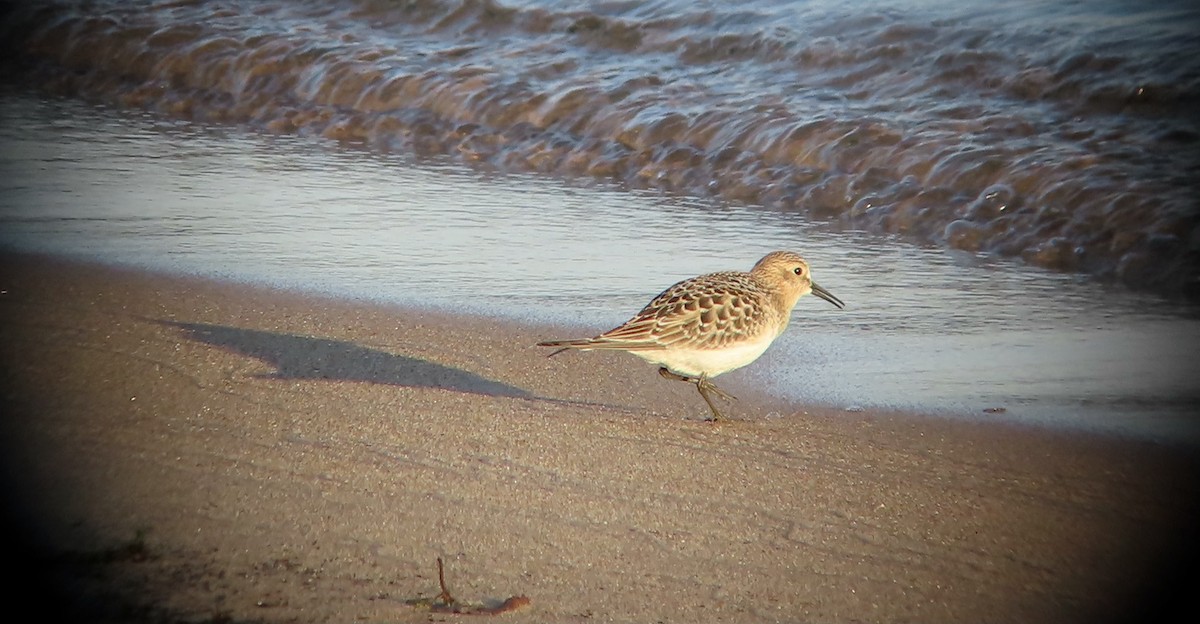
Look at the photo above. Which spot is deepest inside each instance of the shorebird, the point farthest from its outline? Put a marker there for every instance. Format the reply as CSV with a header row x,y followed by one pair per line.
x,y
711,324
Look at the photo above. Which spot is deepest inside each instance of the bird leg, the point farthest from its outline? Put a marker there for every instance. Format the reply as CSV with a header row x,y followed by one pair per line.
x,y
703,386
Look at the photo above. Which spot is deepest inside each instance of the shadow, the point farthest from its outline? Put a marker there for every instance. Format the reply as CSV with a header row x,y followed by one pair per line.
x,y
303,357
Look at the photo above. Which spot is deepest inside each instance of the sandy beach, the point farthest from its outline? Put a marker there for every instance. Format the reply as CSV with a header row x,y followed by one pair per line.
x,y
184,450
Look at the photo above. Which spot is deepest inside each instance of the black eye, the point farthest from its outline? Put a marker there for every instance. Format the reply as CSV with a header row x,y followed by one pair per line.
x,y
798,270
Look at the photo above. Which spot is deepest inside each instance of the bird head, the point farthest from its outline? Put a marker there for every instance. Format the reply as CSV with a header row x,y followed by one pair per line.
x,y
790,277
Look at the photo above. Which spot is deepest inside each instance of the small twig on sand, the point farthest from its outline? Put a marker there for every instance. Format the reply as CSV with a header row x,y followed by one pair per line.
x,y
445,596
446,603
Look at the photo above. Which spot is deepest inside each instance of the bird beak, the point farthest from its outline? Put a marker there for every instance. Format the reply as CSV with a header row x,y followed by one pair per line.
x,y
827,296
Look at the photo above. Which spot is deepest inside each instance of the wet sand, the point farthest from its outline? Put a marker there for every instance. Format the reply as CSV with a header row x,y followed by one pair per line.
x,y
180,449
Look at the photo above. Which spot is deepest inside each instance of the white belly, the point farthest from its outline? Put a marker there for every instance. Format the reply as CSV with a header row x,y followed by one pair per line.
x,y
708,362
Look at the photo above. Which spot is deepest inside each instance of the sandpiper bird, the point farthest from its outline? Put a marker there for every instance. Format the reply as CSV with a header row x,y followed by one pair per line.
x,y
712,324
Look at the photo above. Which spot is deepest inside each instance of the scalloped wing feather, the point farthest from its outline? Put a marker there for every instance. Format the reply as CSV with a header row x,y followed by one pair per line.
x,y
706,312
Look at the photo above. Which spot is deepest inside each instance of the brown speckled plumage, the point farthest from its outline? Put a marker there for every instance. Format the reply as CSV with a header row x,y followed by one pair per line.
x,y
707,325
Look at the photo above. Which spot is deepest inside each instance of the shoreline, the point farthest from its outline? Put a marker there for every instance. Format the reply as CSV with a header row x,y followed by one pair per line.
x,y
191,449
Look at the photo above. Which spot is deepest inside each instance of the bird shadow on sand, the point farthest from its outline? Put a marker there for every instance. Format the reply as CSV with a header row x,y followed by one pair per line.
x,y
305,357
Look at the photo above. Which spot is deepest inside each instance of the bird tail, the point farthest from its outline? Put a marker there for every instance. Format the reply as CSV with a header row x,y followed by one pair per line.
x,y
602,342
566,345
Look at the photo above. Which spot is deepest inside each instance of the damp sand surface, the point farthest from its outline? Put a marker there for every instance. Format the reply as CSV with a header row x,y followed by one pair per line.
x,y
191,450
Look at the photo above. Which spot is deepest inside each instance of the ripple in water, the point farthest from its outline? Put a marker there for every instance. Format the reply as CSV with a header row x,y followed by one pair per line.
x,y
1060,134
925,329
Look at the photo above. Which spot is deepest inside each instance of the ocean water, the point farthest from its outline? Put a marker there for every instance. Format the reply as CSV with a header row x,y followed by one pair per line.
x,y
1065,134
1001,192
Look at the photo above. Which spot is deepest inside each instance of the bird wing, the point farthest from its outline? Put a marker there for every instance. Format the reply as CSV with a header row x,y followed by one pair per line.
x,y
705,312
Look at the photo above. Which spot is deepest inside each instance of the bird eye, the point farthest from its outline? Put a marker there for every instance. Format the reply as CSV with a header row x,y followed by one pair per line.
x,y
798,270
